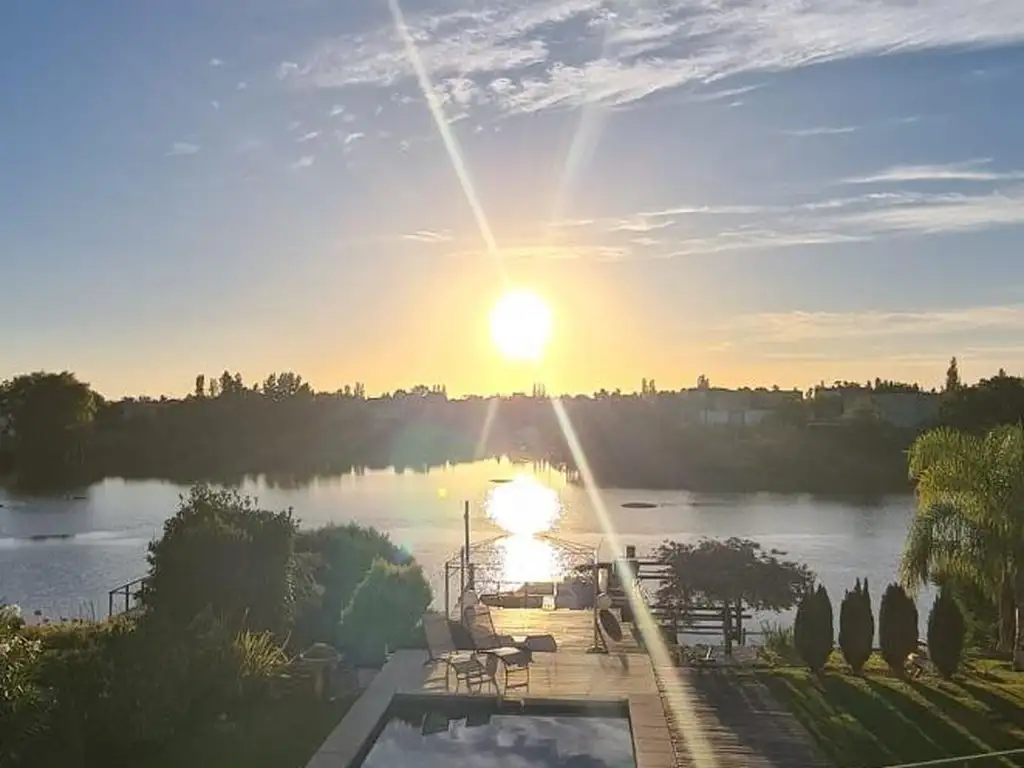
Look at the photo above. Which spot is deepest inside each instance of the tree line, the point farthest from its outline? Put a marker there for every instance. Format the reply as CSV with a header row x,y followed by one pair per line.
x,y
55,429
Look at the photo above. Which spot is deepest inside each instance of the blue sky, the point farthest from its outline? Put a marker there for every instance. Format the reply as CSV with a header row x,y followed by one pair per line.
x,y
764,192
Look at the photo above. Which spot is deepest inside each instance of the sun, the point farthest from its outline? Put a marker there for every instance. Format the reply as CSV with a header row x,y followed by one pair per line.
x,y
521,326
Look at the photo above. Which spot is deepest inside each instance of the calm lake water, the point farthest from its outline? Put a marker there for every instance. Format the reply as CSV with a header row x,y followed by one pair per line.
x,y
62,556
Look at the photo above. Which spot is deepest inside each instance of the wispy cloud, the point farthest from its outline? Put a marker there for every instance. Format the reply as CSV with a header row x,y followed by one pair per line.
x,y
937,214
307,137
639,224
182,148
429,236
215,62
643,48
788,327
303,162
823,130
336,110
968,170
352,137
827,221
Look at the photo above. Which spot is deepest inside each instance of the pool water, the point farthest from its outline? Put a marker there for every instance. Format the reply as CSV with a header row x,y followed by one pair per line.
x,y
485,733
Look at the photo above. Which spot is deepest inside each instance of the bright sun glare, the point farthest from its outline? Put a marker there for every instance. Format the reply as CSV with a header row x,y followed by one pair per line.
x,y
521,326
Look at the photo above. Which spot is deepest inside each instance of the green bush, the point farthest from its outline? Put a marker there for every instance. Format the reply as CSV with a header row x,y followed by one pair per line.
x,y
778,642
946,631
384,611
335,559
123,689
24,703
220,552
813,629
897,628
856,627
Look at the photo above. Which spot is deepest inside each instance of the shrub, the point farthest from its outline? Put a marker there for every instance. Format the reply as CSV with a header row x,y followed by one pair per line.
x,y
24,703
946,631
778,642
813,629
897,628
335,559
384,611
856,627
220,551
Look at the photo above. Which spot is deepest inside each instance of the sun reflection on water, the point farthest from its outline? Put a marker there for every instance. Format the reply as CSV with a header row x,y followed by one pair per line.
x,y
524,508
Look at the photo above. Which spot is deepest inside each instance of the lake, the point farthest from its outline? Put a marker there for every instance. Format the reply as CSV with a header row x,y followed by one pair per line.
x,y
61,556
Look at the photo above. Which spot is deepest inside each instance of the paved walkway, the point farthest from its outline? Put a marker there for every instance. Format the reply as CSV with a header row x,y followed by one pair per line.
x,y
723,719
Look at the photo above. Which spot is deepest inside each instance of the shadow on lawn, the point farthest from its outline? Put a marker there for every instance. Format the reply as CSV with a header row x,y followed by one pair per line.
x,y
865,722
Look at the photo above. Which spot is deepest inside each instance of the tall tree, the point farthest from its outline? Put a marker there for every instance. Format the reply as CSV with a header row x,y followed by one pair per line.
x,y
969,524
200,388
953,376
734,570
45,413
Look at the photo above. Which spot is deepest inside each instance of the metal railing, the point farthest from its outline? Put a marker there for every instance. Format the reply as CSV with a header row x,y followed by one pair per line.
x,y
125,598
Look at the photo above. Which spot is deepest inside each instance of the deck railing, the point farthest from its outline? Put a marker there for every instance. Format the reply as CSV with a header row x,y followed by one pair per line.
x,y
125,598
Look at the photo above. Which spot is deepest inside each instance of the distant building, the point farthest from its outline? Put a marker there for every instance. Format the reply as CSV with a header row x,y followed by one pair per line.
x,y
734,407
900,409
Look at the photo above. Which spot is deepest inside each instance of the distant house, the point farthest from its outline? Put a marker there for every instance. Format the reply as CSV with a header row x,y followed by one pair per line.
x,y
900,409
733,407
906,409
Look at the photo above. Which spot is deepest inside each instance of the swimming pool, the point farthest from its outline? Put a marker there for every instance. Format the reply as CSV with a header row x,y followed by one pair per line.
x,y
445,731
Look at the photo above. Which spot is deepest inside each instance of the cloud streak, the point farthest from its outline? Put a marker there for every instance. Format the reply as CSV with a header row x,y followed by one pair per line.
x,y
429,236
792,327
969,170
180,148
641,48
823,130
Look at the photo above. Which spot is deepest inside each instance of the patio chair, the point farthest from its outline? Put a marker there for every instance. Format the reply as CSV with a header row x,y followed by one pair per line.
x,y
515,657
466,665
478,620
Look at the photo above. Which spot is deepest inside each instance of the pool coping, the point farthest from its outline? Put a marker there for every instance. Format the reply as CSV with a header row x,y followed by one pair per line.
x,y
404,675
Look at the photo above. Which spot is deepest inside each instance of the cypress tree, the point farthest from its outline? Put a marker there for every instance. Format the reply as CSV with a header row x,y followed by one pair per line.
x,y
813,629
946,631
856,627
897,628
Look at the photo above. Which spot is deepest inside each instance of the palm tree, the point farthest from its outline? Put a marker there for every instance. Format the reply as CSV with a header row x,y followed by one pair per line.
x,y
969,525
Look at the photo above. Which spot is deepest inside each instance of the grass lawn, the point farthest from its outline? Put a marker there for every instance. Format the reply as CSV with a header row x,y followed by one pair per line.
x,y
283,735
877,720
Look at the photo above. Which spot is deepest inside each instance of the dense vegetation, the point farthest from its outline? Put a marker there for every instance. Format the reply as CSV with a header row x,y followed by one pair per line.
x,y
968,533
205,666
55,430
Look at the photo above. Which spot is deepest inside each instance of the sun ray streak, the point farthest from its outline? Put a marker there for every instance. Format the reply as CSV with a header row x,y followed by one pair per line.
x,y
447,136
679,700
485,430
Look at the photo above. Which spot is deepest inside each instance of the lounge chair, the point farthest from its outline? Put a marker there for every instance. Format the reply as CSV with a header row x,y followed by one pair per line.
x,y
480,623
466,665
515,656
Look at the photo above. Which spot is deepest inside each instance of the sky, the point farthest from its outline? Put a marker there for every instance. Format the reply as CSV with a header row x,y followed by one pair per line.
x,y
760,191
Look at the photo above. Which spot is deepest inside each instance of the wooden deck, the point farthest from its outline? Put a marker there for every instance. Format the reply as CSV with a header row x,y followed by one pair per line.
x,y
722,719
571,672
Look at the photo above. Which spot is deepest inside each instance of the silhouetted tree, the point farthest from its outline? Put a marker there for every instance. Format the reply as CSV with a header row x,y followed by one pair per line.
x,y
813,629
897,628
946,631
856,626
952,377
734,570
46,413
